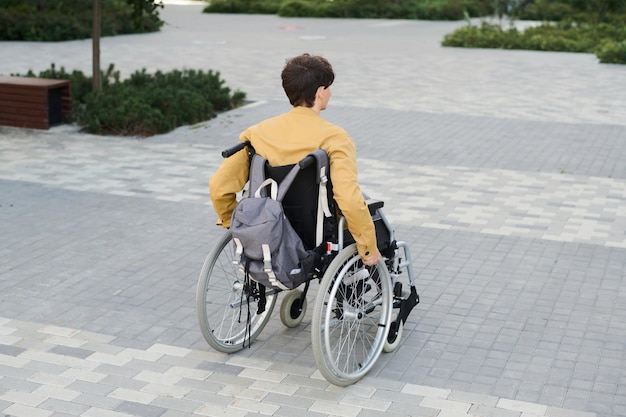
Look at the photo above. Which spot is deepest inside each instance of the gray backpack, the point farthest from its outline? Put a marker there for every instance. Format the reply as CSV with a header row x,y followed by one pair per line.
x,y
266,245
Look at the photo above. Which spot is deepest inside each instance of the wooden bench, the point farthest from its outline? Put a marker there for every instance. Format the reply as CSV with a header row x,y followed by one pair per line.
x,y
35,103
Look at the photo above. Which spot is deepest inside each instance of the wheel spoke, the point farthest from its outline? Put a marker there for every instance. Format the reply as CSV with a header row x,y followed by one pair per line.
x,y
221,308
352,303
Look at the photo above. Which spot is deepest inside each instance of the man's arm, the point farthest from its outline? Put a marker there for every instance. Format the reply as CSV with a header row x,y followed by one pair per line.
x,y
349,198
224,185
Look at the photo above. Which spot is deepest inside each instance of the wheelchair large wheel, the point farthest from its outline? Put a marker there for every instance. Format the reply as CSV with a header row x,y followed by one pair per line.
x,y
223,301
351,317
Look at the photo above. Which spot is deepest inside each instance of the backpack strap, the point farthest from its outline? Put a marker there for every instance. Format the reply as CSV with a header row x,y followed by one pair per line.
x,y
322,196
284,185
273,189
267,267
256,175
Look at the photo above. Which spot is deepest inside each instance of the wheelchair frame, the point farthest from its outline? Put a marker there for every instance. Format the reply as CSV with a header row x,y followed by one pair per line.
x,y
353,320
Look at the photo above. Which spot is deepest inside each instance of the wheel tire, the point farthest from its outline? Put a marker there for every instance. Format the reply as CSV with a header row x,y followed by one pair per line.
x,y
393,338
222,311
291,314
351,318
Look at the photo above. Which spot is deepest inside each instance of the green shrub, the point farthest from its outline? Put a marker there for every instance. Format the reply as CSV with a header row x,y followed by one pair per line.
x,y
297,8
146,104
119,111
611,52
391,9
478,8
485,36
545,11
564,36
579,10
243,6
32,20
599,9
452,10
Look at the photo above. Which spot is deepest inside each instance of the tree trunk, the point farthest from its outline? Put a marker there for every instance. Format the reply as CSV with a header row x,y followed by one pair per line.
x,y
97,21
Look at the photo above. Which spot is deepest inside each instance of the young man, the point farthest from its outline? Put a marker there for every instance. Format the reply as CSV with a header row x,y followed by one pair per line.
x,y
286,139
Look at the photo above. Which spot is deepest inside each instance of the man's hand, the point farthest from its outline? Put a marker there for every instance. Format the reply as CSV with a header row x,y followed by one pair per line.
x,y
372,260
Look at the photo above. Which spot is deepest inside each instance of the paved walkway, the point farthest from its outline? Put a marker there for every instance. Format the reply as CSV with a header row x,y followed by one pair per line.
x,y
502,169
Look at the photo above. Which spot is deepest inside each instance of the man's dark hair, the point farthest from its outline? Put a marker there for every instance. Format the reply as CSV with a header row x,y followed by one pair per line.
x,y
303,75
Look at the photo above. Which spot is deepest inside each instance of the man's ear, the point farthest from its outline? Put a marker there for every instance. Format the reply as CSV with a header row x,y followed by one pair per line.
x,y
319,92
319,99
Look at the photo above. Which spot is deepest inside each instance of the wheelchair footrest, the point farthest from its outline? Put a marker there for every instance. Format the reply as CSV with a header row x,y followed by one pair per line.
x,y
407,305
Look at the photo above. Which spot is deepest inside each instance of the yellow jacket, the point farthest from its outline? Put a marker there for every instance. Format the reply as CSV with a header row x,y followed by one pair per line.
x,y
286,139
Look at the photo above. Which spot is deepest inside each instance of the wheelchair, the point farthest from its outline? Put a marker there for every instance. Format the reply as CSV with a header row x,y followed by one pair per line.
x,y
359,310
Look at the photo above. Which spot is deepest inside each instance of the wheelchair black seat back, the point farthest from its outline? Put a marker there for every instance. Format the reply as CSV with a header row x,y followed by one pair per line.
x,y
301,201
359,310
301,205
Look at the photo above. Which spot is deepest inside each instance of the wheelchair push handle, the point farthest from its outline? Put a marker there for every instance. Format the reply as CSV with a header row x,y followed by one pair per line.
x,y
308,160
234,149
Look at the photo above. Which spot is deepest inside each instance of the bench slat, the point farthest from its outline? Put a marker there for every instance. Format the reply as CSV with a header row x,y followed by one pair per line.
x,y
16,100
40,94
41,123
17,111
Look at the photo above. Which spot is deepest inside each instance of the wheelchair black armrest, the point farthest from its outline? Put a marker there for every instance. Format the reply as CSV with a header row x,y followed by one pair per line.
x,y
374,205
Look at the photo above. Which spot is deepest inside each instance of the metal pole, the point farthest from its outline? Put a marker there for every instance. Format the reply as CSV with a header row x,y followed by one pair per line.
x,y
97,21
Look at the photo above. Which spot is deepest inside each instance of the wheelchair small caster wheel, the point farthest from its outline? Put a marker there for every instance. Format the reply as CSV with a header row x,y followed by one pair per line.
x,y
393,338
292,310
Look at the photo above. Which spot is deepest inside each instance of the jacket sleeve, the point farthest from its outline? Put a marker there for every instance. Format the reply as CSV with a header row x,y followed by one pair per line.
x,y
348,195
224,185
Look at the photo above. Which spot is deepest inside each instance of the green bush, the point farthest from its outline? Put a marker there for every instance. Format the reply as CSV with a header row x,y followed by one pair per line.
x,y
564,36
579,10
32,20
612,52
297,8
547,37
390,9
146,104
545,11
452,10
599,8
485,36
549,10
243,6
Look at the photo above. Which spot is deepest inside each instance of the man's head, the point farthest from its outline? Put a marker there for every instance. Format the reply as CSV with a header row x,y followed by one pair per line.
x,y
303,75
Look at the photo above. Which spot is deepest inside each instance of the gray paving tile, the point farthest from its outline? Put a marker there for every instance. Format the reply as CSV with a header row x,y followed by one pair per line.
x,y
66,407
137,409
